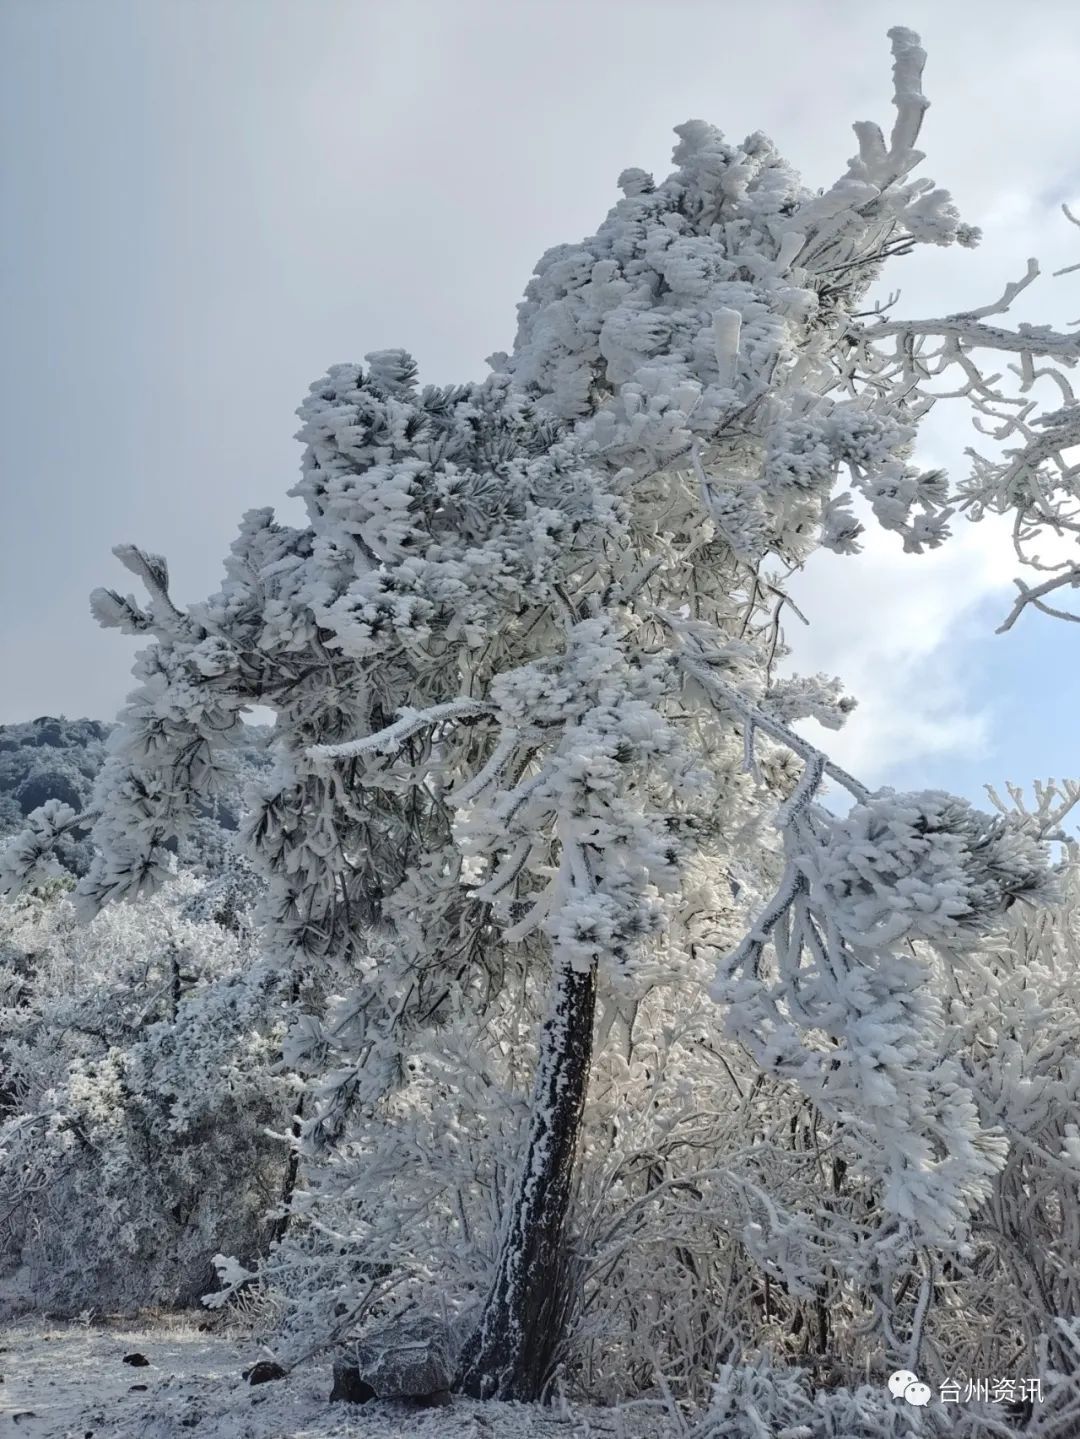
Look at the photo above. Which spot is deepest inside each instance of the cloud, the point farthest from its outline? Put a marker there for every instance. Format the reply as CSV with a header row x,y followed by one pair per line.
x,y
898,630
903,632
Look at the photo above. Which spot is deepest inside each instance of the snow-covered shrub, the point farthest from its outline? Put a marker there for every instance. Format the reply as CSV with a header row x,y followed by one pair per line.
x,y
403,1213
137,1058
1013,1014
764,1401
1058,1416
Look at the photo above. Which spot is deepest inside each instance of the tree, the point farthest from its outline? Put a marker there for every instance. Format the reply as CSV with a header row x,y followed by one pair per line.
x,y
49,759
138,1100
521,660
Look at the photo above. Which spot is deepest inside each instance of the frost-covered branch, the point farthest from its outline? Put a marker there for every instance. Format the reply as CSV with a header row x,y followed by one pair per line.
x,y
409,723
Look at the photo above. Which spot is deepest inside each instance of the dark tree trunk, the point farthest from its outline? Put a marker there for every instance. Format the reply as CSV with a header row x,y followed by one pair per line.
x,y
292,1169
510,1353
176,990
292,1164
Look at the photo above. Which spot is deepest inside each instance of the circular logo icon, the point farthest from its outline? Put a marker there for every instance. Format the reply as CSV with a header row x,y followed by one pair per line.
x,y
899,1382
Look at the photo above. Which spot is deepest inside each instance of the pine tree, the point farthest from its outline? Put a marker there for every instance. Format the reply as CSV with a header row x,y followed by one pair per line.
x,y
521,658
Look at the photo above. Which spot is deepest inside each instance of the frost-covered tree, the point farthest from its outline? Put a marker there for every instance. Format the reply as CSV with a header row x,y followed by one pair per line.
x,y
138,1099
58,760
1013,1014
528,732
50,759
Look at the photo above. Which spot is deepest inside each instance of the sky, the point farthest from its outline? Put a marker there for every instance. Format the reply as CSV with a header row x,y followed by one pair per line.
x,y
206,203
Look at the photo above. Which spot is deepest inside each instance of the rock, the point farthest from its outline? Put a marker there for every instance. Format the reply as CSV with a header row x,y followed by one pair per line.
x,y
349,1388
410,1361
263,1372
137,1361
438,1399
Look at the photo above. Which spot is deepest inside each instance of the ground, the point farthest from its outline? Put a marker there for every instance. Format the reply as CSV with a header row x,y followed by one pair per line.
x,y
70,1382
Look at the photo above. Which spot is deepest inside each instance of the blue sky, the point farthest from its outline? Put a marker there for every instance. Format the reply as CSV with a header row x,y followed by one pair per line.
x,y
208,202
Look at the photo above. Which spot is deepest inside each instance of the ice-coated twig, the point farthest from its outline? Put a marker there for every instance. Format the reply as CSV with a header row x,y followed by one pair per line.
x,y
726,326
410,723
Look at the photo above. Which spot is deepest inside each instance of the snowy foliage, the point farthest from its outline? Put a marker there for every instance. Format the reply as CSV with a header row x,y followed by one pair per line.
x,y
32,854
622,1051
50,759
48,769
924,866
136,1095
750,1401
1012,1009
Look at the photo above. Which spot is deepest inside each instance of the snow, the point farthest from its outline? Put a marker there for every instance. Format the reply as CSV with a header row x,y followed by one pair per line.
x,y
71,1382
566,583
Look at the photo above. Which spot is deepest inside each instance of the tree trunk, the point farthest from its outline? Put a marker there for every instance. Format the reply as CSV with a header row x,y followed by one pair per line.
x,y
292,1170
510,1353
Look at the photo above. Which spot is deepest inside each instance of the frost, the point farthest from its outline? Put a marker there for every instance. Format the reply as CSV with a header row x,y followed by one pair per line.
x,y
617,1048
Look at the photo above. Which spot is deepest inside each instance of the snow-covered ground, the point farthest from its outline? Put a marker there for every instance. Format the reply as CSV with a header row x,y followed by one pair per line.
x,y
71,1382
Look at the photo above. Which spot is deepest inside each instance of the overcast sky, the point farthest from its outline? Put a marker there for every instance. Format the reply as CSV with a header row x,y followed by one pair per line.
x,y
208,202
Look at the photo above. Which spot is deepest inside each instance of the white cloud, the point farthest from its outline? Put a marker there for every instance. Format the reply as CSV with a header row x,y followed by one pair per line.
x,y
900,630
895,628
